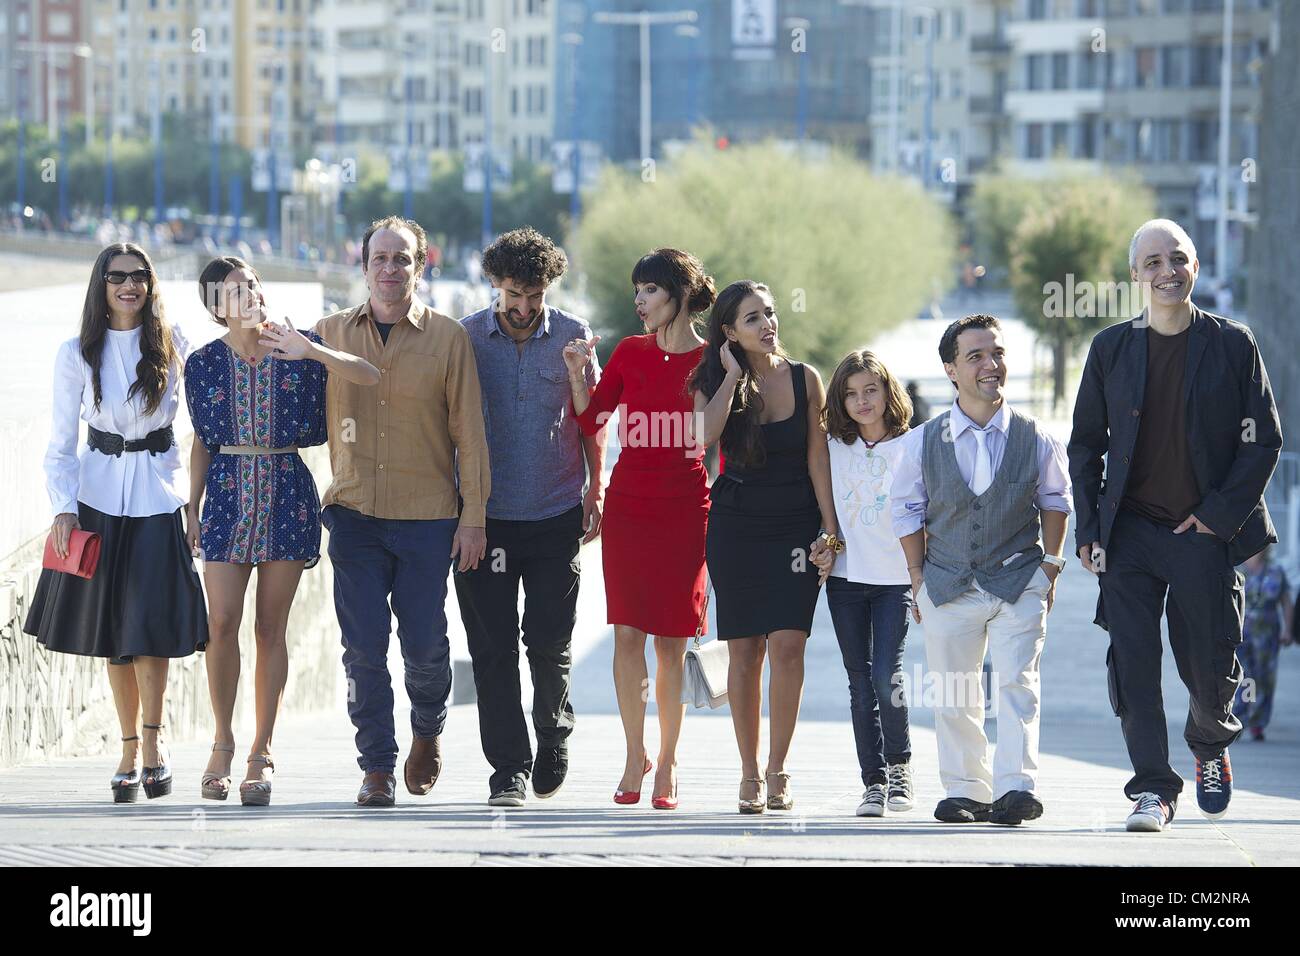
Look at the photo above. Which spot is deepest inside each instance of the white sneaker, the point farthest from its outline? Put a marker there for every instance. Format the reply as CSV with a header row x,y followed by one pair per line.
x,y
873,801
900,786
1150,815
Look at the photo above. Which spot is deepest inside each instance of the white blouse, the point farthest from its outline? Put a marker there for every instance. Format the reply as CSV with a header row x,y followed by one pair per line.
x,y
861,479
134,484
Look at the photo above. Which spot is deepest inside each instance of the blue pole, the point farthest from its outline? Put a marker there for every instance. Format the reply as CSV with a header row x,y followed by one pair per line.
x,y
108,172
214,176
803,95
408,199
158,175
236,203
929,102
272,206
575,199
63,177
22,160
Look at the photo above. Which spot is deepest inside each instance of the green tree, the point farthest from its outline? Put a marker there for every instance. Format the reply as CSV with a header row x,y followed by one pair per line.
x,y
1069,263
846,254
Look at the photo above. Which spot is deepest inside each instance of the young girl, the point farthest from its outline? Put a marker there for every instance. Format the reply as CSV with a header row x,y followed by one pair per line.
x,y
868,590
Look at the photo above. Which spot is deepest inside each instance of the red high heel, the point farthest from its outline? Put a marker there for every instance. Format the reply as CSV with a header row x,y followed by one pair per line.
x,y
629,797
666,803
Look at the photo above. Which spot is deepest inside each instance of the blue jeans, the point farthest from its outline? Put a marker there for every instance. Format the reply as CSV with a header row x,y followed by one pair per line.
x,y
871,626
373,559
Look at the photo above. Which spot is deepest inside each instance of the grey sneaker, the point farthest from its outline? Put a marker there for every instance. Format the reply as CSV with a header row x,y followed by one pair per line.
x,y
900,786
873,801
1150,814
512,794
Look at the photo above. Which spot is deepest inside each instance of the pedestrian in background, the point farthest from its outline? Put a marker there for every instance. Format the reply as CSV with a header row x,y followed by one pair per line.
x,y
1266,628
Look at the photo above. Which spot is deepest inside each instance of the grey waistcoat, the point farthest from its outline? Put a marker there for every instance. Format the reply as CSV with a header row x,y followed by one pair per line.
x,y
969,536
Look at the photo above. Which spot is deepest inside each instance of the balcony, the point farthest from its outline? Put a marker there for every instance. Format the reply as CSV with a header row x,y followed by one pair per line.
x,y
989,43
986,105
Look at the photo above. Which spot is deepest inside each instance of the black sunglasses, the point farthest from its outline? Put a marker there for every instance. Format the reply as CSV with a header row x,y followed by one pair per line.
x,y
139,276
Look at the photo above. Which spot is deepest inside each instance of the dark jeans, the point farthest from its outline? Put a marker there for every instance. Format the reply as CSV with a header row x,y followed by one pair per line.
x,y
543,556
1146,561
373,559
871,626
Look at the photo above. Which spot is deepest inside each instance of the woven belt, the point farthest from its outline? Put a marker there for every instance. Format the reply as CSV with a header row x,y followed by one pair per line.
x,y
107,443
256,450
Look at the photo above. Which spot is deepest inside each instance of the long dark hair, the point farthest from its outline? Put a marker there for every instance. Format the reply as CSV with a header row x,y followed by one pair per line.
x,y
157,351
898,406
742,436
212,280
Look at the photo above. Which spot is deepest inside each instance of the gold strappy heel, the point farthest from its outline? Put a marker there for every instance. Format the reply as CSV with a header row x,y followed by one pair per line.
x,y
257,793
783,800
216,786
757,805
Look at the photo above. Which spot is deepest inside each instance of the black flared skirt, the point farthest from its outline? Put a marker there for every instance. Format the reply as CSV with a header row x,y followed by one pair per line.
x,y
144,600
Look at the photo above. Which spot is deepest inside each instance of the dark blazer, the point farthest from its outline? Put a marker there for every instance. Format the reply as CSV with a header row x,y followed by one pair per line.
x,y
1226,388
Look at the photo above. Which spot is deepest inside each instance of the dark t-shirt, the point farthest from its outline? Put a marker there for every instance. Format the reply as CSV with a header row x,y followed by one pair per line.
x,y
384,328
1161,481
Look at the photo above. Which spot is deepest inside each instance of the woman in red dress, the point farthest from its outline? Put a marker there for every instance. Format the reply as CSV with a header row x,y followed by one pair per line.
x,y
657,505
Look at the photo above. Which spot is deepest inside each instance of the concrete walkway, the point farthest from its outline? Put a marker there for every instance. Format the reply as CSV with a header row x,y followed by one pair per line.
x,y
60,813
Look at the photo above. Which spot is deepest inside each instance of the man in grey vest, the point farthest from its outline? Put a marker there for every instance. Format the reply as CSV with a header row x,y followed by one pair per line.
x,y
972,489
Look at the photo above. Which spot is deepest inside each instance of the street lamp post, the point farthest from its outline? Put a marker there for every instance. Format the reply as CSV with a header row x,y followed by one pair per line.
x,y
155,130
801,103
1225,136
644,20
574,40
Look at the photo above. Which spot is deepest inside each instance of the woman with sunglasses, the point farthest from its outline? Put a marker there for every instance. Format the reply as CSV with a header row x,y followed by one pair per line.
x,y
256,395
144,603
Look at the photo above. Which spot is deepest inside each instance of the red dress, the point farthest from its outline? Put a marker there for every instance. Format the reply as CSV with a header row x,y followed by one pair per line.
x,y
657,506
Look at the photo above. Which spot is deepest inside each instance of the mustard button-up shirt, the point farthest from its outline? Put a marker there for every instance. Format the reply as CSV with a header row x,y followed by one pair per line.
x,y
396,448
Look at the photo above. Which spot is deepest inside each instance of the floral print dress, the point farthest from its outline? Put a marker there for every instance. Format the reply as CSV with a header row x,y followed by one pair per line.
x,y
257,507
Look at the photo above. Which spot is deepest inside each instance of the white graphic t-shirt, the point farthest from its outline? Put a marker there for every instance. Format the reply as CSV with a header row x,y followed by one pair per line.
x,y
861,478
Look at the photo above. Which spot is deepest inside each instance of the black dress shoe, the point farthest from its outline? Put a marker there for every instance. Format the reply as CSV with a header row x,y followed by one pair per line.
x,y
961,810
1013,808
549,770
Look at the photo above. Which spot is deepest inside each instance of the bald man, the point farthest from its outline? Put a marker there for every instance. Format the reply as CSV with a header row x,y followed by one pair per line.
x,y
1178,404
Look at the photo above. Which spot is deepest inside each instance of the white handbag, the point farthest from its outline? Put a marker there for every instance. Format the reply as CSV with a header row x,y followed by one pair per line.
x,y
704,676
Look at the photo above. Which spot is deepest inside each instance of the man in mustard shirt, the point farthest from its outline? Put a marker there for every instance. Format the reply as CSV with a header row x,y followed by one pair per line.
x,y
392,509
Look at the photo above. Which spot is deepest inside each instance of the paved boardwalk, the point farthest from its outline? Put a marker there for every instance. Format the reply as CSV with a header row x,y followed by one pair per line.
x,y
59,813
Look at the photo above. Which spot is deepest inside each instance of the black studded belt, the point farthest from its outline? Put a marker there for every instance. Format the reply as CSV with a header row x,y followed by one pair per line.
x,y
106,443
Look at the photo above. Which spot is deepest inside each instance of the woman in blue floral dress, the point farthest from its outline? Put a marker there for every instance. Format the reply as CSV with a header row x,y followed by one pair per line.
x,y
255,395
1266,628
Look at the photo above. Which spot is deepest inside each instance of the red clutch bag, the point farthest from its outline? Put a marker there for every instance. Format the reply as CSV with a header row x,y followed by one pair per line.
x,y
83,554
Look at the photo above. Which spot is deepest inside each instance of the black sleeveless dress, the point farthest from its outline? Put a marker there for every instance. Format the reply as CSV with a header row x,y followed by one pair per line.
x,y
762,523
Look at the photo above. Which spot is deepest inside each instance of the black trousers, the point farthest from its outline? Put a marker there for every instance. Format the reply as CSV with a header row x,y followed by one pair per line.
x,y
1146,563
543,556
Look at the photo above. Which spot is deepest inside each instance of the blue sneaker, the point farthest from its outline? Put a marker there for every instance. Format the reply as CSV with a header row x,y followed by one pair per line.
x,y
1214,785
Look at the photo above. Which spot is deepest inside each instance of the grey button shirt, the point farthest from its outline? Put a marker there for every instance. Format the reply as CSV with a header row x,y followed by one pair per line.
x,y
534,443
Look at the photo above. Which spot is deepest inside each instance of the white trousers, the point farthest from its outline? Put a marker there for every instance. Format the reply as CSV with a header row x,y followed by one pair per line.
x,y
956,636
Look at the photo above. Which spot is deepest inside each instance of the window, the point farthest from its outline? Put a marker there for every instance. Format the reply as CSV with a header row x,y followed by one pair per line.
x,y
1033,140
59,24
1173,66
1036,10
1035,71
1089,71
1144,63
1087,137
1205,64
1060,71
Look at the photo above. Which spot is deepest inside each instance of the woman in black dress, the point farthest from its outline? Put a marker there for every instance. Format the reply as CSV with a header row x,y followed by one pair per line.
x,y
770,512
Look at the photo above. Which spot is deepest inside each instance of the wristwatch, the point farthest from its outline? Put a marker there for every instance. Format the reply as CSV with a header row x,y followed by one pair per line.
x,y
1058,563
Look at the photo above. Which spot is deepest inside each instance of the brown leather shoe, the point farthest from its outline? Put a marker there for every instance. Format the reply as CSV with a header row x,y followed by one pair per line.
x,y
423,764
378,789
